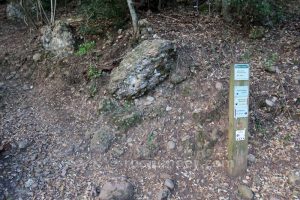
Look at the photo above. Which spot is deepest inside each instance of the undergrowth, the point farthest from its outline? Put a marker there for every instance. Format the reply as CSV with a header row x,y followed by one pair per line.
x,y
85,48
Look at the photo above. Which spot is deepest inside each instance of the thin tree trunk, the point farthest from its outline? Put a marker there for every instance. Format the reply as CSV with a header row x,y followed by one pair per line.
x,y
134,18
159,5
225,10
53,10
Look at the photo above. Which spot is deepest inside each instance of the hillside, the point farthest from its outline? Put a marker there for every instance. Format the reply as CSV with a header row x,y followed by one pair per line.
x,y
50,109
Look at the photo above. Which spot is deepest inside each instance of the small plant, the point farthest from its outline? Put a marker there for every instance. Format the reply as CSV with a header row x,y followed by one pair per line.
x,y
85,48
270,62
246,57
93,90
150,138
186,91
258,126
124,116
151,143
124,121
257,32
107,106
287,138
93,73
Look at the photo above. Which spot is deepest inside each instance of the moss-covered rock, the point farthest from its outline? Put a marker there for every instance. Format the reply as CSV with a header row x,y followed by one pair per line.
x,y
142,69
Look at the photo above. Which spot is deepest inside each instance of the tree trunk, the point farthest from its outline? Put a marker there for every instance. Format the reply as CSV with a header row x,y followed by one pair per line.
x,y
134,18
225,10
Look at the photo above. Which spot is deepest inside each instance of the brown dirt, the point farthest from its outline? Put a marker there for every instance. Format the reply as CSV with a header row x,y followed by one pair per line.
x,y
48,103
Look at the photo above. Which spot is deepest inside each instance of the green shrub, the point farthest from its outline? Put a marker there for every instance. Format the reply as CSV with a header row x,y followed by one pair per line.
x,y
93,73
104,9
85,48
259,12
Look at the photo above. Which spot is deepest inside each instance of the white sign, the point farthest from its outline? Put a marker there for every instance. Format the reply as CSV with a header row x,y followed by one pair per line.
x,y
240,135
240,101
240,111
241,91
241,72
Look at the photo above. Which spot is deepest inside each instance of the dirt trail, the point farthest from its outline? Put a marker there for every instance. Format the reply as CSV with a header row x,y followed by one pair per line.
x,y
45,118
42,122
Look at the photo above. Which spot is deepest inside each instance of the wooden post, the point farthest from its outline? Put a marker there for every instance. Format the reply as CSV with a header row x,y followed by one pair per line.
x,y
238,119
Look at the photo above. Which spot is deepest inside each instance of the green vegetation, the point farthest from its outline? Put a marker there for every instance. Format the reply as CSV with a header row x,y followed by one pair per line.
x,y
93,89
91,29
270,62
107,106
93,72
258,126
263,12
125,121
151,142
257,32
104,9
123,116
85,48
287,138
150,138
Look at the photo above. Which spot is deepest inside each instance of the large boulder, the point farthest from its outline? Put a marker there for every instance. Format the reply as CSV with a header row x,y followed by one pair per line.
x,y
117,189
143,68
14,12
58,39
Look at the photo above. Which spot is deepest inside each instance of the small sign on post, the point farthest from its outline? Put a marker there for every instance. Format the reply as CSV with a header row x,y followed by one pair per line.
x,y
238,119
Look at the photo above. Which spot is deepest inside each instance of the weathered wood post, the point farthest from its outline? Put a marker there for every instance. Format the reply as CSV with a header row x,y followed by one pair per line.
x,y
238,119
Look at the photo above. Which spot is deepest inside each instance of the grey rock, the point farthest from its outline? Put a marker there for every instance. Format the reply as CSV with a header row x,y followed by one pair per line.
x,y
219,85
36,57
294,178
164,194
149,100
117,152
169,184
144,31
58,39
155,36
102,140
64,171
147,151
272,69
177,78
23,144
214,136
143,23
150,30
34,157
26,87
297,80
245,192
29,183
120,31
251,158
142,69
168,108
14,11
180,73
269,103
117,190
171,145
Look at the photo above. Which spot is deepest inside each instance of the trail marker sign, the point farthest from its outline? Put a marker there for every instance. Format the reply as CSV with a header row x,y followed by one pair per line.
x,y
238,119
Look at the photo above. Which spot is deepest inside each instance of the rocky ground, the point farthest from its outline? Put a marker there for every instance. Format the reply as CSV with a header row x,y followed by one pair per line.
x,y
63,137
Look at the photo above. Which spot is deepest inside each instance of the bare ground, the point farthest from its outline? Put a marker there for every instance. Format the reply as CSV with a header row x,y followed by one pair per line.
x,y
47,114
